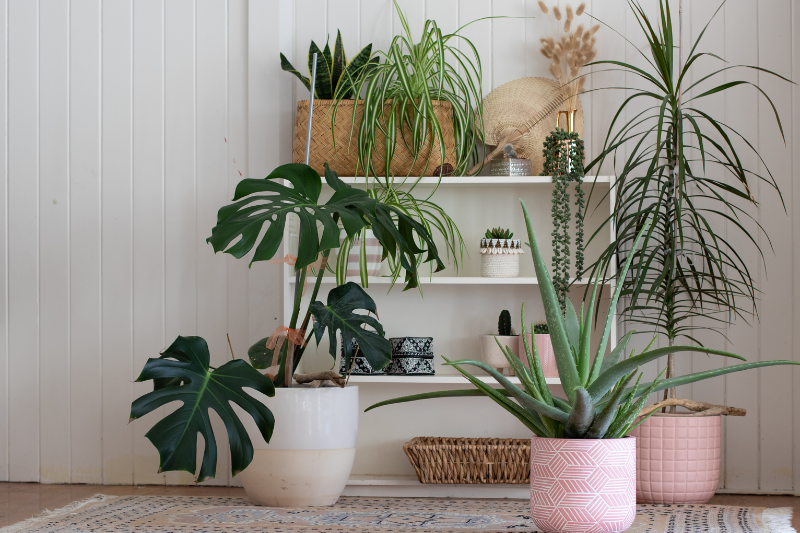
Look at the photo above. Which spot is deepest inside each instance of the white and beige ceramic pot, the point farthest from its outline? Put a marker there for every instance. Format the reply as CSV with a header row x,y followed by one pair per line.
x,y
308,460
583,485
492,355
677,458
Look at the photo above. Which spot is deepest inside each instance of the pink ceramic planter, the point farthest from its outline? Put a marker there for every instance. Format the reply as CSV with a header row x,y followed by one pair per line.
x,y
677,458
583,485
544,347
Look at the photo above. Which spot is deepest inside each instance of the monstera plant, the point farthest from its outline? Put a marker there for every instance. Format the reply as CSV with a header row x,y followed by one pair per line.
x,y
183,372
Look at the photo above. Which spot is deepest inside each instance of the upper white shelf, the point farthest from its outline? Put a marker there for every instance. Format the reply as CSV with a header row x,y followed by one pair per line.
x,y
444,280
456,379
474,181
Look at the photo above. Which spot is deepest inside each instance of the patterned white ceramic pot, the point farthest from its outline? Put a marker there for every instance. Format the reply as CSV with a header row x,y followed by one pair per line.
x,y
583,485
309,458
677,458
493,355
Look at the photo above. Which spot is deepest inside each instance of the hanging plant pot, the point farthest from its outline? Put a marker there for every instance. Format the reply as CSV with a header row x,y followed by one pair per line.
x,y
500,258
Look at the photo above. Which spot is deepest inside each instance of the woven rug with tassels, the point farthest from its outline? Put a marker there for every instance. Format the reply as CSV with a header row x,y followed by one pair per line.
x,y
178,514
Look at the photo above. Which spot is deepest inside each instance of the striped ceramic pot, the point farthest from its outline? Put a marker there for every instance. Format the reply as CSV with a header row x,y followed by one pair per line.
x,y
583,485
373,254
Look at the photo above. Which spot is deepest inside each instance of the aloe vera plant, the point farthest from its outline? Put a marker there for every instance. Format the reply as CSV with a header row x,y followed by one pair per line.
x,y
599,403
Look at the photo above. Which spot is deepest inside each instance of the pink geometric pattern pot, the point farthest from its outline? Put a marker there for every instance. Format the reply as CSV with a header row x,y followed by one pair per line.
x,y
677,458
583,485
544,347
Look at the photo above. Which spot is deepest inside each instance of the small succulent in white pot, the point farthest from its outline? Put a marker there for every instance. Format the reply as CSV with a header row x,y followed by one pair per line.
x,y
500,254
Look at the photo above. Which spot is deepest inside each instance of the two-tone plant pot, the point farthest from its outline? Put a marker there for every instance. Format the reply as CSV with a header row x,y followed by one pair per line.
x,y
373,254
492,355
583,485
678,458
310,456
500,258
544,347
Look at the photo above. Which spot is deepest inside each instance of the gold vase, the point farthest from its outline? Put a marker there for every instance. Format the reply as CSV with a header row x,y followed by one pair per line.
x,y
569,118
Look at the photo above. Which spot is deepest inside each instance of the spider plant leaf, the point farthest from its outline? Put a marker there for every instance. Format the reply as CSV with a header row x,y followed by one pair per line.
x,y
285,65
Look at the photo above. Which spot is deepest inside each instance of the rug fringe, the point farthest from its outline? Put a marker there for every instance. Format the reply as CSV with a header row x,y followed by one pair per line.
x,y
779,520
47,515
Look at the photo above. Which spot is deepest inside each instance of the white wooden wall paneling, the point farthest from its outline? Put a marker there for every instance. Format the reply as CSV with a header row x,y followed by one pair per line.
x,y
212,182
795,149
148,216
23,241
4,373
508,41
774,37
85,186
117,243
741,434
480,34
54,206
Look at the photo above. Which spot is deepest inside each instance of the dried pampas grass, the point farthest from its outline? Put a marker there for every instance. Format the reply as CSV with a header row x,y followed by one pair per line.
x,y
570,48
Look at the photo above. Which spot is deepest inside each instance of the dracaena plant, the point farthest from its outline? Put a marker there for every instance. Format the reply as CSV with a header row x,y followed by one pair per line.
x,y
599,402
687,275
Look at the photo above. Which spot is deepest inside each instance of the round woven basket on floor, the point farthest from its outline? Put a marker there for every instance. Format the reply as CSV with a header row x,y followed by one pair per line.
x,y
342,156
526,101
450,460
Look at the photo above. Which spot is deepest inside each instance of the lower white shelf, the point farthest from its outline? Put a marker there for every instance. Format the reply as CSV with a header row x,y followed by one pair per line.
x,y
454,379
409,486
442,280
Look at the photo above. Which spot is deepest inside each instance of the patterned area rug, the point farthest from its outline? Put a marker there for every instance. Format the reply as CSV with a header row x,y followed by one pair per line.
x,y
178,514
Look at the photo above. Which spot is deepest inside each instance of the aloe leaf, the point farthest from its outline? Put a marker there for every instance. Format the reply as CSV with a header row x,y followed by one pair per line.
x,y
606,380
616,353
581,416
573,326
567,370
465,393
606,417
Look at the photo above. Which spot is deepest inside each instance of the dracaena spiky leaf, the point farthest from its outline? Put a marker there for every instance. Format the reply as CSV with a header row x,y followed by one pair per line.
x,y
599,404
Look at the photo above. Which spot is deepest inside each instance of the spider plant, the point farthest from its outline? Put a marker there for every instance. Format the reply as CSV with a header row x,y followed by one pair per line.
x,y
688,265
399,95
599,403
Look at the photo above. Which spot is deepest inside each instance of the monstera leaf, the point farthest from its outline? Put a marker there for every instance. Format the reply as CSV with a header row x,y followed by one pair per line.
x,y
185,375
338,315
268,201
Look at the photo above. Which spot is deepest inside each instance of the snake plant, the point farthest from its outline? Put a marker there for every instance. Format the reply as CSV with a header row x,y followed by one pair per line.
x,y
599,402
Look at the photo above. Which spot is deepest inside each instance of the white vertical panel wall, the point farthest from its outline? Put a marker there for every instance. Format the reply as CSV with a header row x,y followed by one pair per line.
x,y
127,124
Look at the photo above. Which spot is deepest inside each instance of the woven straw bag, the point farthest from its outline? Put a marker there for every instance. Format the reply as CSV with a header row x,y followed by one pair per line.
x,y
343,158
448,460
524,102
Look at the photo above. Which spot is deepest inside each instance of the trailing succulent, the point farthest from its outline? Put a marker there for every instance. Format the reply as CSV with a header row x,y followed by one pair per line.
x,y
599,403
335,75
498,233
563,159
504,323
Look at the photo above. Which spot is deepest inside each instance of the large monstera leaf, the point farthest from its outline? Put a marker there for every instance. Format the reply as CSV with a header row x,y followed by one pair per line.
x,y
338,315
260,201
184,374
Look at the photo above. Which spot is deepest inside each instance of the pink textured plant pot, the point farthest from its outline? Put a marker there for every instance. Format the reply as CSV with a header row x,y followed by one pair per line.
x,y
583,485
544,347
677,458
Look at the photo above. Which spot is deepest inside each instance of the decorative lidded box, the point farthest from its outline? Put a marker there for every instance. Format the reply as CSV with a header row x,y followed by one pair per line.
x,y
411,355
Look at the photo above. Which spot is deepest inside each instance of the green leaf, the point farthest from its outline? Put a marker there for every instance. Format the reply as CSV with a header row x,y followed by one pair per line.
x,y
339,61
285,65
323,89
203,389
339,315
581,417
260,356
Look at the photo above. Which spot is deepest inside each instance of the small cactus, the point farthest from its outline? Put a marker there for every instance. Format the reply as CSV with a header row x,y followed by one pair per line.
x,y
504,324
498,233
540,328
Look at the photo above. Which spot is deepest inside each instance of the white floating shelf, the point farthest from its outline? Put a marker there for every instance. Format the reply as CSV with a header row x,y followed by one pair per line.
x,y
455,379
473,181
442,280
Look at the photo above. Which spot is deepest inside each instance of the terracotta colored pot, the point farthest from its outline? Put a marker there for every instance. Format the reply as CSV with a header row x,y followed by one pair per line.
x,y
677,458
544,347
583,485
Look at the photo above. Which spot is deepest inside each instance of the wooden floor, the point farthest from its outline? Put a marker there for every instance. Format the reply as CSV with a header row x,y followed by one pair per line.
x,y
19,501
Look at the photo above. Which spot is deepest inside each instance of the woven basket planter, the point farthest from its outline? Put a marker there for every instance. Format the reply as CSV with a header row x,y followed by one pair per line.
x,y
474,461
500,258
343,158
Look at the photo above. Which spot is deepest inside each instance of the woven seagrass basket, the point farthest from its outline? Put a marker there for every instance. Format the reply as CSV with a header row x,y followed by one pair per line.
x,y
343,158
490,461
